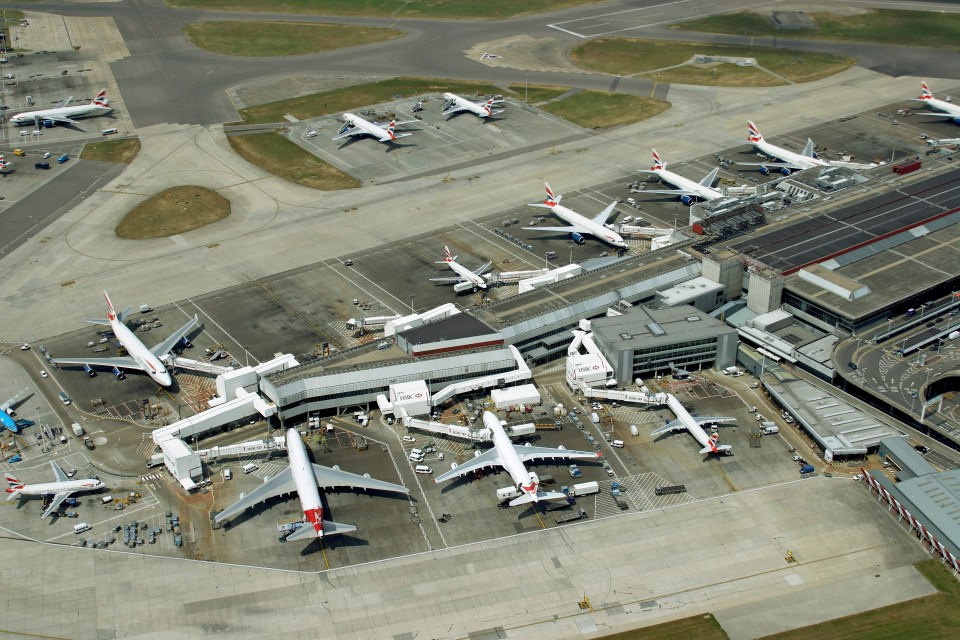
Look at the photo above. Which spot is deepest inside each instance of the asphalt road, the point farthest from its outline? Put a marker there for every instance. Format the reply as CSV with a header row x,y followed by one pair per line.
x,y
167,80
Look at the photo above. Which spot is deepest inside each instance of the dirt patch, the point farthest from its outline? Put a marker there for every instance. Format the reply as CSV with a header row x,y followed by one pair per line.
x,y
177,210
524,52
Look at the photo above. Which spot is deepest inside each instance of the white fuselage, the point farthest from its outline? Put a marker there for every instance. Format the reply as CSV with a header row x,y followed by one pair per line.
x,y
598,231
525,481
144,357
466,274
365,126
305,481
692,426
467,105
77,111
52,488
942,105
802,161
686,184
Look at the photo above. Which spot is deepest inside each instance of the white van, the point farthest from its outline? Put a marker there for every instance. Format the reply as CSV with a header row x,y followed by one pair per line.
x,y
80,528
617,443
227,474
247,468
415,457
422,468
106,499
634,431
108,132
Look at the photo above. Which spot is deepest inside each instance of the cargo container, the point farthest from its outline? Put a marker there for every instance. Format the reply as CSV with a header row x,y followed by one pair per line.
x,y
579,514
584,489
666,489
507,493
953,335
63,158
907,166
77,429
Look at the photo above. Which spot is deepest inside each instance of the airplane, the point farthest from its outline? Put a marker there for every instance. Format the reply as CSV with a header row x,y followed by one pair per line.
x,y
687,189
580,225
456,104
4,164
302,477
139,356
790,160
7,414
686,422
62,489
511,457
357,126
64,114
466,278
949,109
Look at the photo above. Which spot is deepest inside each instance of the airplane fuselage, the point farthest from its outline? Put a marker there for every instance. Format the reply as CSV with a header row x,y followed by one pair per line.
x,y
139,352
942,105
7,422
366,126
305,481
466,274
786,155
77,111
467,105
52,488
524,480
686,184
598,231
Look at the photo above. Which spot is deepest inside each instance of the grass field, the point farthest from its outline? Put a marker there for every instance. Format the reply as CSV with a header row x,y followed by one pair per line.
x,y
176,210
693,628
261,39
276,154
914,28
625,56
458,9
119,151
318,104
599,109
537,93
929,618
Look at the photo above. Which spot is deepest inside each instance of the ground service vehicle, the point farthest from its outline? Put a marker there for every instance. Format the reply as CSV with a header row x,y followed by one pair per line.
x,y
77,429
579,514
666,489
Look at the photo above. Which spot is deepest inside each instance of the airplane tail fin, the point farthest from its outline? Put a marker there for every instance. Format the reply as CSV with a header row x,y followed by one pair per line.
x,y
658,164
111,314
329,529
13,487
925,93
446,255
527,498
101,100
753,134
552,200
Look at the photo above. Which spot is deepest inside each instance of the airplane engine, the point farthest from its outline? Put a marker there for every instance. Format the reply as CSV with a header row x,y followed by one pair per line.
x,y
89,370
49,124
579,239
785,171
764,170
687,200
956,121
118,374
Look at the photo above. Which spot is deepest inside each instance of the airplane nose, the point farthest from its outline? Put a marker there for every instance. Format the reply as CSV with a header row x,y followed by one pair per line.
x,y
164,379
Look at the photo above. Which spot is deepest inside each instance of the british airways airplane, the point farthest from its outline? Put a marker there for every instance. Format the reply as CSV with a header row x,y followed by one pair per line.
x,y
456,104
687,189
139,357
949,109
64,114
465,277
580,226
62,489
357,126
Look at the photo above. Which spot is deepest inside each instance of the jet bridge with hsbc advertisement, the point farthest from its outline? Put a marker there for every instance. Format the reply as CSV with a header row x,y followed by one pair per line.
x,y
585,372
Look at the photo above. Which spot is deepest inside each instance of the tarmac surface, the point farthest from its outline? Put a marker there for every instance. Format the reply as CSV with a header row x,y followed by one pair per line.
x,y
727,556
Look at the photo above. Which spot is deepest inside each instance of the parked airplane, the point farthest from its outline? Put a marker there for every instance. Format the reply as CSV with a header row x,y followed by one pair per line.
x,y
7,413
62,489
4,164
949,109
138,357
686,422
357,126
455,104
465,278
511,457
687,189
580,225
789,160
302,477
64,114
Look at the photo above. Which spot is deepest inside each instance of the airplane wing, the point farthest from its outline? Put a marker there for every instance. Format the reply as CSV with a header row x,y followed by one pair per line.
x,y
348,131
479,271
64,102
547,453
328,477
676,425
937,115
482,461
118,362
164,347
396,123
55,503
14,400
58,472
453,108
57,118
395,135
570,229
329,529
447,280
713,419
278,485
672,192
603,216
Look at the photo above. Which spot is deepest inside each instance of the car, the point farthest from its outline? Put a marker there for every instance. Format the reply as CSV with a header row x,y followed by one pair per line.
x,y
41,165
797,458
456,411
46,154
754,385
859,476
8,76
852,365
311,133
348,262
25,346
44,374
409,439
921,448
929,324
71,473
24,134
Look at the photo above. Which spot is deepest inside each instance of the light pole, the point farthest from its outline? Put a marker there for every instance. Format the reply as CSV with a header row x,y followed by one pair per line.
x,y
546,265
412,295
524,87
